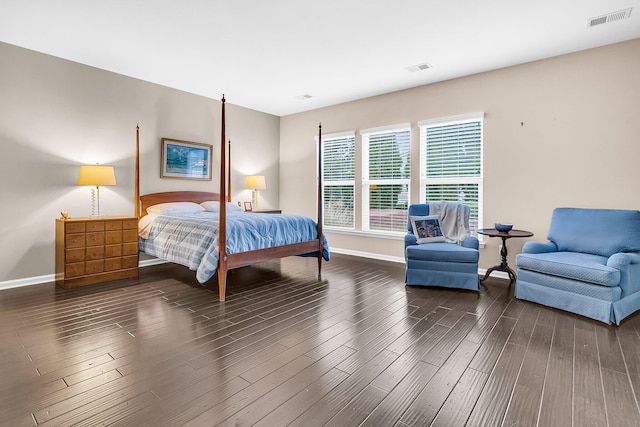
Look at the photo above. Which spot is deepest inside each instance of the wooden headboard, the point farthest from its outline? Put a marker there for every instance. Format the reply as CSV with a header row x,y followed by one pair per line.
x,y
176,196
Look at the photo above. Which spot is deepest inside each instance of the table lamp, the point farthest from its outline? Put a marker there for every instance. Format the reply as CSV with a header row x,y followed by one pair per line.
x,y
255,182
96,175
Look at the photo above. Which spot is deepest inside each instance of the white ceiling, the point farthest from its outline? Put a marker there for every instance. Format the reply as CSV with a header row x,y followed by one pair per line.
x,y
266,54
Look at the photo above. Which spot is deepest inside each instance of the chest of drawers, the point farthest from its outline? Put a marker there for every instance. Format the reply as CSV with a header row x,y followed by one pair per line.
x,y
94,250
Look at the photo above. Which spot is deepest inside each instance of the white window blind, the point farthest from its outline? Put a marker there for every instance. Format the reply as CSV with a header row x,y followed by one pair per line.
x,y
338,180
451,162
386,178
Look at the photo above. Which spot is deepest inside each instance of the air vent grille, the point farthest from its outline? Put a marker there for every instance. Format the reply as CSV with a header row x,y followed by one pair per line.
x,y
610,17
419,67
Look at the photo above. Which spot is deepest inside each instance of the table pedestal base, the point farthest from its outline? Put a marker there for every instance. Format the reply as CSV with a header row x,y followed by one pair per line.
x,y
503,264
505,268
492,232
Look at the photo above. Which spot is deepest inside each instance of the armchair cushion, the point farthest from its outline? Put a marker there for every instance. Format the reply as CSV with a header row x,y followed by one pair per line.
x,y
445,252
595,231
572,265
603,293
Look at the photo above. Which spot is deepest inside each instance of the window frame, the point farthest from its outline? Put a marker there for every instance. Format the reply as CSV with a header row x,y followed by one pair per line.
x,y
367,181
336,183
478,180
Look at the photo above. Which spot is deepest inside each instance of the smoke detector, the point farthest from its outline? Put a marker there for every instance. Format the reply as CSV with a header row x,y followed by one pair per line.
x,y
610,17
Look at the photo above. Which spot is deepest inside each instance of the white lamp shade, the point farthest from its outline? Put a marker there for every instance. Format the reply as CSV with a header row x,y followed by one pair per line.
x,y
256,182
96,175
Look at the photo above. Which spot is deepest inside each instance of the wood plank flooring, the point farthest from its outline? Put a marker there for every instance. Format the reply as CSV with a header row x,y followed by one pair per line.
x,y
355,348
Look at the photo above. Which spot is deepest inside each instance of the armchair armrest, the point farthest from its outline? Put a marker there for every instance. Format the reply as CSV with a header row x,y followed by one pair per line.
x,y
628,263
470,242
410,240
539,247
623,259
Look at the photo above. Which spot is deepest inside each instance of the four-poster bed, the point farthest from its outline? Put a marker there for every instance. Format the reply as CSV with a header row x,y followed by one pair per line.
x,y
298,239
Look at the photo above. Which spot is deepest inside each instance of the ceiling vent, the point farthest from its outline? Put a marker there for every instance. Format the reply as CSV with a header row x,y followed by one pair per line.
x,y
419,67
610,17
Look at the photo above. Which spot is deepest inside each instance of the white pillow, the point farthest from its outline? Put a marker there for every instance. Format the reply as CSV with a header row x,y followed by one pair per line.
x,y
427,229
214,206
175,207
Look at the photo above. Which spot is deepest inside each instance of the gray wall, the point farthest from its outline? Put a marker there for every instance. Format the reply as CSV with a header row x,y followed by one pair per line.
x,y
564,131
579,145
56,115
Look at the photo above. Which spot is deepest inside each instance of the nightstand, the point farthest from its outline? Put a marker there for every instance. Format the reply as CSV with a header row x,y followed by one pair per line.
x,y
271,211
94,250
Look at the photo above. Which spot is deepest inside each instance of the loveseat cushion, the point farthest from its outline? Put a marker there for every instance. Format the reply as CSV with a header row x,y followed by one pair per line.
x,y
445,252
571,265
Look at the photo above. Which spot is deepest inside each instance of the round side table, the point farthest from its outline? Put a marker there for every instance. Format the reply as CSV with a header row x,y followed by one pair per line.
x,y
492,232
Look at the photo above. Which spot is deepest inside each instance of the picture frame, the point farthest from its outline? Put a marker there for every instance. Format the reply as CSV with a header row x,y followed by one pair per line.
x,y
248,207
185,160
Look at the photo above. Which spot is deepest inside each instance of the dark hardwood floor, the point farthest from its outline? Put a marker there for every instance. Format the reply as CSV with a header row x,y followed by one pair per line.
x,y
355,348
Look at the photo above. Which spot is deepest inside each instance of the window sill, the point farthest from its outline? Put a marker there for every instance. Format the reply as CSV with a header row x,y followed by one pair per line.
x,y
374,234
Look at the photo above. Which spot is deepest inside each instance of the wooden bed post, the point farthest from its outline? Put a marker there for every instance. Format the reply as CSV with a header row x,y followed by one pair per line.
x,y
228,261
320,201
222,231
136,203
229,174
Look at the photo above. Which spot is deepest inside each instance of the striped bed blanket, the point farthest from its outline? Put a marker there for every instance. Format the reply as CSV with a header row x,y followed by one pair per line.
x,y
191,239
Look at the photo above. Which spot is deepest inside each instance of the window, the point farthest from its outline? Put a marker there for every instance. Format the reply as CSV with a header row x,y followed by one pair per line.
x,y
338,180
451,162
386,177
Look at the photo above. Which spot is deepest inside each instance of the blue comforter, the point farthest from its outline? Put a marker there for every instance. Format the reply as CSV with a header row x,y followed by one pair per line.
x,y
191,239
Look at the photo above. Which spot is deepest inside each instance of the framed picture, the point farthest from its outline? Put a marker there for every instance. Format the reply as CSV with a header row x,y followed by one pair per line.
x,y
185,160
248,207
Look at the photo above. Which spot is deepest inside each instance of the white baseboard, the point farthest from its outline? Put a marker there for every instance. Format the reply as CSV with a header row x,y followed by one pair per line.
x,y
481,271
50,278
368,255
27,281
37,280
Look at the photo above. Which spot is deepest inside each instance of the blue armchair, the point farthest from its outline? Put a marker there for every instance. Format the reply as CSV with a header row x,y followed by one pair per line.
x,y
450,265
590,266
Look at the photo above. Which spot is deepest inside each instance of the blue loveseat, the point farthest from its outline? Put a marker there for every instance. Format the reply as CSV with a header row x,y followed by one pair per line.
x,y
443,264
589,266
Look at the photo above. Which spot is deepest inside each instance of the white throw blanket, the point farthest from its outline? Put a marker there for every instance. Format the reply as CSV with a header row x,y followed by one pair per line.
x,y
453,219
